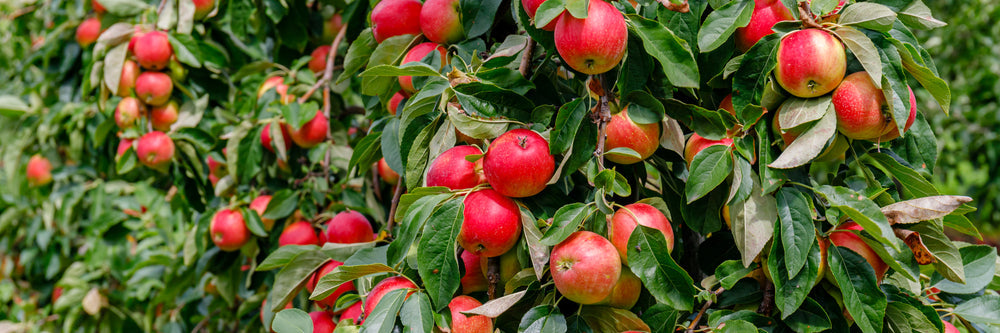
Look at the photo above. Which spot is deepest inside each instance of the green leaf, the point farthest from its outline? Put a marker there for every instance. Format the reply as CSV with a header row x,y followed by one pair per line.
x,y
113,63
754,71
389,52
567,124
868,15
791,290
186,49
416,314
416,160
292,321
809,318
856,278
609,319
651,262
358,54
200,139
707,123
344,274
282,204
798,235
366,152
477,127
864,50
795,112
411,224
979,263
732,271
250,153
548,11
253,222
807,146
753,222
542,319
623,152
489,100
672,52
902,317
862,210
643,108
919,16
12,106
736,326
283,255
290,280
927,78
415,68
437,259
125,8
913,184
383,317
709,169
722,22
577,8
566,221
948,260
984,309
742,183
478,16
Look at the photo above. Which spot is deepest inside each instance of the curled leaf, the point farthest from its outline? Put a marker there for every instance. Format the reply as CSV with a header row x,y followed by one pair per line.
x,y
912,239
923,209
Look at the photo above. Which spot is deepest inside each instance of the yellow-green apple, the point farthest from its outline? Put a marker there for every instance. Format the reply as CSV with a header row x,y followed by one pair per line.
x,y
452,170
492,223
531,7
509,266
123,146
312,132
765,14
593,45
202,8
696,143
268,142
353,312
88,31
317,60
518,163
38,171
349,227
623,132
155,150
394,102
585,267
98,8
862,112
127,112
130,72
152,50
461,323
893,130
322,322
384,287
441,22
418,53
259,205
395,17
624,221
163,116
298,233
810,63
330,301
841,236
388,175
153,88
626,291
474,279
228,230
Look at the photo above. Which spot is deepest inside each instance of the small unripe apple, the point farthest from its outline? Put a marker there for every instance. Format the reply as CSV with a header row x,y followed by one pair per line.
x,y
461,323
585,267
98,8
312,132
697,143
862,111
840,236
154,88
330,301
492,223
395,17
452,170
384,287
418,53
332,27
127,112
349,227
123,146
531,8
152,50
474,279
518,163
130,73
810,63
625,220
298,233
626,291
395,101
228,230
593,45
38,171
163,116
317,62
88,31
893,130
155,150
267,142
322,322
259,205
440,20
765,14
388,175
353,312
202,8
623,132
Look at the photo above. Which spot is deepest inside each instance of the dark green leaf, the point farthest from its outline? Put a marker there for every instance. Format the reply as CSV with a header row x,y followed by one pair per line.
x,y
416,314
722,22
862,210
651,262
673,53
709,169
567,124
542,319
862,297
437,259
329,283
731,271
357,55
292,321
797,231
566,221
754,72
283,255
809,318
984,309
383,317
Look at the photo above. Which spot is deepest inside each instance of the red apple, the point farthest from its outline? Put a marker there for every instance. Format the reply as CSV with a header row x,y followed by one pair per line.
x,y
353,312
154,88
461,323
395,101
418,53
696,143
518,163
130,73
388,175
841,237
163,116
298,233
531,8
492,223
322,322
152,50
626,291
332,27
228,230
56,293
127,112
949,328
123,146
202,8
585,267
349,227
474,279
593,45
312,132
727,104
38,171
395,17
384,287
623,132
138,32
97,7
155,150
452,170
441,22
765,14
88,31
330,301
893,130
317,62
624,221
278,83
811,63
259,205
862,112
265,137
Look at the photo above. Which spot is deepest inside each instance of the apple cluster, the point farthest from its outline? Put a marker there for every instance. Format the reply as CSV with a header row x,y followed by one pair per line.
x,y
591,45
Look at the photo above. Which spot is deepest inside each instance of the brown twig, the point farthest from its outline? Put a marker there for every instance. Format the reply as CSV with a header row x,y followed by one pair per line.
x,y
694,323
328,72
767,303
529,48
493,275
680,8
805,15
395,203
601,117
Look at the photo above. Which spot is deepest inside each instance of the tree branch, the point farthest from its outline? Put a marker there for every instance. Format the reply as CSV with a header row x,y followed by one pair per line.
x,y
395,204
328,72
694,323
601,117
493,276
805,15
525,66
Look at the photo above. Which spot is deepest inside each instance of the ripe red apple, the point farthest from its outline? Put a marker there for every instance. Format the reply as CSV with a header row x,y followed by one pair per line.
x,y
88,31
811,63
623,132
139,31
518,163
349,227
531,7
418,53
163,116
153,88
228,230
38,171
322,322
130,72
56,293
395,101
862,112
312,132
265,137
840,237
317,62
441,21
452,170
949,328
765,14
461,323
624,221
298,233
155,150
332,27
98,8
384,287
330,301
395,17
893,130
492,223
585,267
260,206
727,104
696,143
626,291
202,8
127,112
388,175
474,279
152,50
123,146
593,45
353,312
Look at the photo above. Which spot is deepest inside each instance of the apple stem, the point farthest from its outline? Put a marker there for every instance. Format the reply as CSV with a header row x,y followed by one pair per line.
x,y
529,49
805,15
694,323
395,203
492,275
